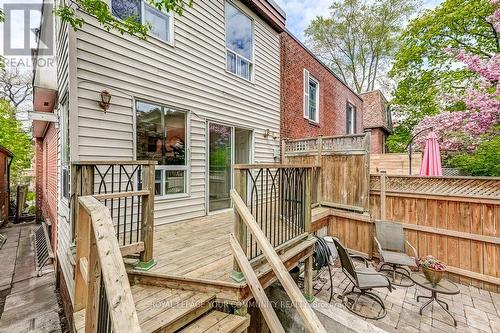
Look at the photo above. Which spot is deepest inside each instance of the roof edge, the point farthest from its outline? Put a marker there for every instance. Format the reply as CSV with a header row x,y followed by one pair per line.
x,y
6,151
322,63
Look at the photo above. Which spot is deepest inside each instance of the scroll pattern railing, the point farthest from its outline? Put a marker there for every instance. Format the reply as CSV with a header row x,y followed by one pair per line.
x,y
127,189
102,289
279,198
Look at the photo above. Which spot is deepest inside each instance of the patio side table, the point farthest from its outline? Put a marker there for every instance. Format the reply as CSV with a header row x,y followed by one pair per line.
x,y
445,287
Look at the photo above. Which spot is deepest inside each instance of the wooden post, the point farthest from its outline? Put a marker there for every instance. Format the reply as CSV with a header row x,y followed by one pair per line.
x,y
319,179
240,229
94,283
82,251
366,183
283,151
75,190
147,223
383,212
308,279
82,181
308,202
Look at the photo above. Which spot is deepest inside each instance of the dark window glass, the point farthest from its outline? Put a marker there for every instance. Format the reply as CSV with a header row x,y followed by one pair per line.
x,y
175,138
149,132
125,9
313,91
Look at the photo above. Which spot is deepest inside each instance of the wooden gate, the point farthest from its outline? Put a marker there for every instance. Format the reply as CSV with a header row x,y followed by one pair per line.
x,y
342,177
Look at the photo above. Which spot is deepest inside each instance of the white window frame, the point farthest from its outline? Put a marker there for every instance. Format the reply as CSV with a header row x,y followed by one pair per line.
x,y
307,112
352,129
228,50
170,21
163,168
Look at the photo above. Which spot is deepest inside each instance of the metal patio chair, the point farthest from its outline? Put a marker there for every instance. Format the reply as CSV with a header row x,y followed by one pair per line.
x,y
391,243
364,279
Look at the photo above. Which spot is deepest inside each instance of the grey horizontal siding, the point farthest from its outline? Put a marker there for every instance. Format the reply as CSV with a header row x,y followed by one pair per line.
x,y
191,76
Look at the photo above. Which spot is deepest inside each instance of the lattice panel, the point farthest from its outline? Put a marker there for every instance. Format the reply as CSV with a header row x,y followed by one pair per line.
x,y
453,186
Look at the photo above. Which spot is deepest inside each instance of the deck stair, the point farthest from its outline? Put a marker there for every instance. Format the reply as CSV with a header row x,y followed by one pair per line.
x,y
161,309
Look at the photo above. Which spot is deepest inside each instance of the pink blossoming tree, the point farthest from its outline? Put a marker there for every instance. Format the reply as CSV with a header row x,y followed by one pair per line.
x,y
464,131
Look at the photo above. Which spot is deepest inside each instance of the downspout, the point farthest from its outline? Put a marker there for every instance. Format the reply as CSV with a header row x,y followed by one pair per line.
x,y
8,180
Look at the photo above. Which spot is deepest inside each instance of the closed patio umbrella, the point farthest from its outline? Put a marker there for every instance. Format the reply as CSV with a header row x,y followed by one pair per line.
x,y
431,163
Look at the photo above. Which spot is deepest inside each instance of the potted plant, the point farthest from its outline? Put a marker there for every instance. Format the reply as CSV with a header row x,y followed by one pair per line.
x,y
433,269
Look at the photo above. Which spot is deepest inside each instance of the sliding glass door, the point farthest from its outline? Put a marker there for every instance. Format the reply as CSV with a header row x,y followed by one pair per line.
x,y
227,145
219,170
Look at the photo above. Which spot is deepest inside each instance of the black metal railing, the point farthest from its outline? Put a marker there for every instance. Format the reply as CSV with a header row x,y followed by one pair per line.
x,y
277,197
120,186
103,316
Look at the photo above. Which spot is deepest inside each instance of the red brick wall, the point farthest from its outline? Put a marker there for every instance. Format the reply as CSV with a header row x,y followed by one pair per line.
x,y
377,141
333,95
46,178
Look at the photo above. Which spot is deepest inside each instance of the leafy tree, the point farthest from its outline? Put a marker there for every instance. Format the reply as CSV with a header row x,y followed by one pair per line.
x,y
15,139
100,10
358,39
15,85
485,161
428,75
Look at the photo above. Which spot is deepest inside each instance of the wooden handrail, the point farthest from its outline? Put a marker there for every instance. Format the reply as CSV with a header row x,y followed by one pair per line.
x,y
258,292
303,308
124,162
272,166
100,259
117,195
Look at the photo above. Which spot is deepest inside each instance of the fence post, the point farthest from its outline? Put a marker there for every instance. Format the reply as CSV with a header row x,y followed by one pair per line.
x,y
366,187
283,148
308,202
383,177
240,229
147,222
319,184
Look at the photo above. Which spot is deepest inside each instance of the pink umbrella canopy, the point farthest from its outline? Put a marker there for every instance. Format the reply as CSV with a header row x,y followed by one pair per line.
x,y
431,163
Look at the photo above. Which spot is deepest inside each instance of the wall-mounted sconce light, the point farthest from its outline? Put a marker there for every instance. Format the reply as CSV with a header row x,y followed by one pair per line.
x,y
105,100
268,133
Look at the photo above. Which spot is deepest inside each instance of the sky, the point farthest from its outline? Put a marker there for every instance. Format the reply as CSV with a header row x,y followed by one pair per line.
x,y
299,13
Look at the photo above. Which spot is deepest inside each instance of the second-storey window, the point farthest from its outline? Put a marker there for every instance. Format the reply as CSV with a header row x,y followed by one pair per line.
x,y
350,119
311,97
161,136
161,23
239,42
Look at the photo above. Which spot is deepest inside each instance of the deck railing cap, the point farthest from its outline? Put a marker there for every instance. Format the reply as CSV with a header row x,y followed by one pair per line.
x,y
116,162
271,166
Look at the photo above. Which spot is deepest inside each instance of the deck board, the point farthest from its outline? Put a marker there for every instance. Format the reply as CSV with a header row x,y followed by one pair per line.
x,y
159,307
196,248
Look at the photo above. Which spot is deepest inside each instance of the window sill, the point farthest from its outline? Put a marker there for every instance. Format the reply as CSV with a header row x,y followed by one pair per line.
x,y
172,197
312,122
160,42
252,81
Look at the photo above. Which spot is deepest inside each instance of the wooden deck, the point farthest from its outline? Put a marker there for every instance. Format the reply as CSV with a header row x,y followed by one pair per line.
x,y
197,248
197,254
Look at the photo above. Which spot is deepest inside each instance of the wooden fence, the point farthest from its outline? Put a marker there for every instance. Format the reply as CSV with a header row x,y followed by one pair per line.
x,y
395,164
456,219
342,175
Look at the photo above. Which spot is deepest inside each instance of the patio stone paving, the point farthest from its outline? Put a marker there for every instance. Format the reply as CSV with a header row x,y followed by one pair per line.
x,y
475,310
